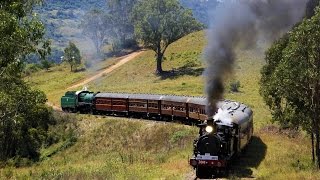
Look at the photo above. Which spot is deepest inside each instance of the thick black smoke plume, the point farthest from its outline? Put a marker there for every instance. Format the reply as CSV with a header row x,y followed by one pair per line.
x,y
243,22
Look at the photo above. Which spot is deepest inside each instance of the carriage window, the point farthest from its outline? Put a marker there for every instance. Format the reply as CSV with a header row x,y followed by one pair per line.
x,y
103,101
132,104
143,105
137,104
153,105
118,102
194,110
166,106
179,108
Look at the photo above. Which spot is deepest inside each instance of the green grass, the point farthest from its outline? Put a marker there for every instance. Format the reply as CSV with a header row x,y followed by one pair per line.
x,y
112,148
56,81
115,148
138,75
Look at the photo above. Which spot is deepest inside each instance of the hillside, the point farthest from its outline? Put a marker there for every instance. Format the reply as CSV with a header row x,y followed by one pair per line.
x,y
117,148
63,18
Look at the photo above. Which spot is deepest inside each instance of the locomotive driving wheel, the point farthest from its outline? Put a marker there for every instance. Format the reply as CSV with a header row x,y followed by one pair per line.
x,y
202,173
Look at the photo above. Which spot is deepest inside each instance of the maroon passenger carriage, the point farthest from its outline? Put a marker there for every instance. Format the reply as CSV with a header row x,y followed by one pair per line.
x,y
169,107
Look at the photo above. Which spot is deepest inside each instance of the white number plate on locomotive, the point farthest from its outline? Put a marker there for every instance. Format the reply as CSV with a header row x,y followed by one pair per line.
x,y
206,157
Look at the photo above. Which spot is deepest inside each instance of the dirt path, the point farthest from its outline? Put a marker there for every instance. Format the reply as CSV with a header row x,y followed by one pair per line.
x,y
124,60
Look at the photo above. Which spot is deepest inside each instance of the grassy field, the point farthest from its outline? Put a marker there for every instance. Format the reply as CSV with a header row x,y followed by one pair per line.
x,y
117,148
55,81
114,148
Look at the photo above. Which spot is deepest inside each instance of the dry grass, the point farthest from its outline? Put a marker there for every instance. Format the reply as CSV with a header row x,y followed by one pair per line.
x,y
116,148
55,82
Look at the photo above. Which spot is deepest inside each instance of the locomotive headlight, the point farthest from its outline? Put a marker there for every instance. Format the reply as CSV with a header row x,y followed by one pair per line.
x,y
209,129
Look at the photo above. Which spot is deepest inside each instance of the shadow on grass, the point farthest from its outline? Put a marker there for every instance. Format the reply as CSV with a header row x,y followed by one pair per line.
x,y
181,71
252,156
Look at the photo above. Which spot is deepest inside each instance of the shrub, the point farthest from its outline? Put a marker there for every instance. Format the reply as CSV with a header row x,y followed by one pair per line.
x,y
46,64
234,86
31,68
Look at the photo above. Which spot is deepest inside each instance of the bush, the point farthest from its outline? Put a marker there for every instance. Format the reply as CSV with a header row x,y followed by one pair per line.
x,y
31,68
64,128
130,43
24,139
234,86
46,64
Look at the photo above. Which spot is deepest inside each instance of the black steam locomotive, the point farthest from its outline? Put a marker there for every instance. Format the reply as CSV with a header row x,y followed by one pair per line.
x,y
221,138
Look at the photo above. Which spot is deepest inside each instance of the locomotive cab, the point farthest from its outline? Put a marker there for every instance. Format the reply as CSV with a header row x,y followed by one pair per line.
x,y
74,101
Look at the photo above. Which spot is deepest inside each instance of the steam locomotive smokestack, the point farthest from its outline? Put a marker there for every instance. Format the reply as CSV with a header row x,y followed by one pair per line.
x,y
243,22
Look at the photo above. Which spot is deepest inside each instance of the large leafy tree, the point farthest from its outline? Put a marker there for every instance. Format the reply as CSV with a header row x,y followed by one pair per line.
x,y
72,55
122,22
290,82
158,23
24,118
97,25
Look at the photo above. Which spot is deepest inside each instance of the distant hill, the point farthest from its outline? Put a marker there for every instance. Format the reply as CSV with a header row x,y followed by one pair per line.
x,y
201,8
74,4
62,19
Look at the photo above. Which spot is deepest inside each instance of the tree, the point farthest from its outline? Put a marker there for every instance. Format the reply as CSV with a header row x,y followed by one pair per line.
x,y
72,55
24,121
46,64
97,25
122,23
24,118
290,83
158,23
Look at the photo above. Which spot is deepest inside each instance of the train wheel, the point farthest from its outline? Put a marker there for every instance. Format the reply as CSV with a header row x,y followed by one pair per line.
x,y
93,112
226,171
202,173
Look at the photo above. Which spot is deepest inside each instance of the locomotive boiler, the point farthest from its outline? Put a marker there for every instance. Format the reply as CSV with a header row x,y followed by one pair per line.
x,y
222,137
